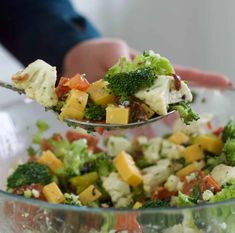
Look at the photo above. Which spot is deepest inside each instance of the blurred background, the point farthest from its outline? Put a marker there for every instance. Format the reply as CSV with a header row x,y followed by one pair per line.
x,y
192,33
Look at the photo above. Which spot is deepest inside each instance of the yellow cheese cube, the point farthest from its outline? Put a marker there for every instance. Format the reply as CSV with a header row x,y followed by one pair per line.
x,y
75,105
127,169
210,143
137,205
193,153
148,110
179,138
187,170
53,194
49,159
99,93
117,115
89,195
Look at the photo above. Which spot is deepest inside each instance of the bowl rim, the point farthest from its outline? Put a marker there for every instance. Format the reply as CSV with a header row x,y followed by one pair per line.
x,y
84,209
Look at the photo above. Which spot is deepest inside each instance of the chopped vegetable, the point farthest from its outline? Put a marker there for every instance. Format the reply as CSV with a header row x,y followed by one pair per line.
x,y
117,115
185,112
229,151
29,173
89,195
78,82
71,199
53,193
95,112
229,131
156,204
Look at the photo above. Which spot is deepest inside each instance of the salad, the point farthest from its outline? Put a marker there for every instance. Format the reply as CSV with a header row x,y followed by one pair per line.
x,y
194,164
130,91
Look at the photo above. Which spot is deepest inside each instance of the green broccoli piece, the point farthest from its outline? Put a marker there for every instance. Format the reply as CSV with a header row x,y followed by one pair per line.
x,y
229,131
149,59
95,112
213,161
185,200
185,111
224,194
229,151
103,164
29,173
71,199
126,84
156,204
42,127
75,158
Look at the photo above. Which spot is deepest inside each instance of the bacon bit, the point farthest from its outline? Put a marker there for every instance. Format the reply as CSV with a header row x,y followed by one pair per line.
x,y
62,89
209,126
46,145
57,137
91,140
177,81
137,112
211,183
218,131
162,193
32,158
37,187
100,130
19,78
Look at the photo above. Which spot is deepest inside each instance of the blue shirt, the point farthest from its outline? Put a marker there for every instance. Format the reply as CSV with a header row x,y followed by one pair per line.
x,y
45,29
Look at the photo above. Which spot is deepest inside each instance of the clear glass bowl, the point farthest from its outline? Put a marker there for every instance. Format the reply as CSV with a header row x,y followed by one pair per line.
x,y
17,214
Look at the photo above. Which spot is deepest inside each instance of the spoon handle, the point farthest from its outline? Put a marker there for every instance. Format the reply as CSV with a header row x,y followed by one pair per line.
x,y
10,87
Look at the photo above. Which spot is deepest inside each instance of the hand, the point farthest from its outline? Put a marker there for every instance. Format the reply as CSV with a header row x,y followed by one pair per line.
x,y
202,78
94,57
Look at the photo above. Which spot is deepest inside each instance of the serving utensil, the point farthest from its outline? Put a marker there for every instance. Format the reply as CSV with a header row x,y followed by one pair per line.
x,y
93,125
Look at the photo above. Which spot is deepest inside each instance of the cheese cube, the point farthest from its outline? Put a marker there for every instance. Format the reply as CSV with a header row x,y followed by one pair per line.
x,y
148,110
89,195
99,93
187,170
127,169
117,115
53,194
210,143
193,153
179,138
75,105
50,160
137,205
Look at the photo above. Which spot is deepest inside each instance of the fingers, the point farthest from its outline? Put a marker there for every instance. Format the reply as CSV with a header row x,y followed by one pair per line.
x,y
203,78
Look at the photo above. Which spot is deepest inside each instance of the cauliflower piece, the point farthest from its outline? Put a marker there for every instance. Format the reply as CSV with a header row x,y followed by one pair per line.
x,y
207,195
117,144
38,81
170,150
223,173
118,190
151,150
163,93
195,127
173,183
156,175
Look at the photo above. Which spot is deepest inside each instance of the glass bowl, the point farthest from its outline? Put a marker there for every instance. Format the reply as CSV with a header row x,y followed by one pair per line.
x,y
18,214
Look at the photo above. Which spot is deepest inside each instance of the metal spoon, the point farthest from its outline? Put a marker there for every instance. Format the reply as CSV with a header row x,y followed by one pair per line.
x,y
93,125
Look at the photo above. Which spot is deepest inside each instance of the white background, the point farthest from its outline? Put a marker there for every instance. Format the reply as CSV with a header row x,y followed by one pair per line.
x,y
198,33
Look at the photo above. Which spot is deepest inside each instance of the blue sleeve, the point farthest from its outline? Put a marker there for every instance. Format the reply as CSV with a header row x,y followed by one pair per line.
x,y
45,29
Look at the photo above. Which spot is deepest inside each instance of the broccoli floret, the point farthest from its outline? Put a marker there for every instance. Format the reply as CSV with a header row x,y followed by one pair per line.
x,y
185,200
77,155
95,112
185,111
229,151
213,161
71,199
29,173
156,204
224,194
103,164
229,131
126,84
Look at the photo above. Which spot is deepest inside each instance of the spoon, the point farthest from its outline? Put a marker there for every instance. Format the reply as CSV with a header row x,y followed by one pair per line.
x,y
93,125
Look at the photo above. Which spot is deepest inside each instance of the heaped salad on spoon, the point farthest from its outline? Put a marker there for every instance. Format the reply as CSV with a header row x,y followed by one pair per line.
x,y
131,91
194,164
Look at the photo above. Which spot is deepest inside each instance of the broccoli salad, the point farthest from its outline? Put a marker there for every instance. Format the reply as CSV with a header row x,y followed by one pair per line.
x,y
194,164
130,91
